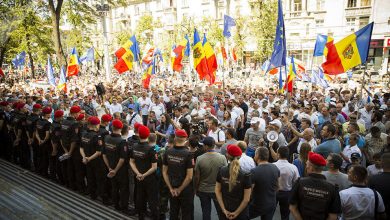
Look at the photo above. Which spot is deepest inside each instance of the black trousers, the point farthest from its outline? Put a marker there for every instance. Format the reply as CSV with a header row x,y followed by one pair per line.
x,y
282,199
147,192
95,178
43,158
76,171
24,154
184,204
120,189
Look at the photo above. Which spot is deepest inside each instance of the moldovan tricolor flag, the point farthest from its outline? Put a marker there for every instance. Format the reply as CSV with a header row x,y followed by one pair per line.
x,y
126,55
348,52
211,60
200,62
320,46
291,77
73,64
179,53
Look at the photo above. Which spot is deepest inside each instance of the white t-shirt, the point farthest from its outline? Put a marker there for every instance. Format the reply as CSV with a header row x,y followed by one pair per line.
x,y
218,135
359,203
348,150
312,142
144,103
372,170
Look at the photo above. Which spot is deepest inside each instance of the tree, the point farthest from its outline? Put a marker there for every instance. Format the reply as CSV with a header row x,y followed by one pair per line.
x,y
262,26
240,34
212,29
144,29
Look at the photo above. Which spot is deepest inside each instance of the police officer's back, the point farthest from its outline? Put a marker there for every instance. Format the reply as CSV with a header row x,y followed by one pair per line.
x,y
43,141
178,167
90,150
143,161
56,150
313,197
114,155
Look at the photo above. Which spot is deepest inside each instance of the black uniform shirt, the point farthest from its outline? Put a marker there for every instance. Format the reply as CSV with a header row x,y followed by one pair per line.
x,y
178,160
42,126
115,148
55,132
20,124
91,142
233,199
315,197
31,122
144,155
69,129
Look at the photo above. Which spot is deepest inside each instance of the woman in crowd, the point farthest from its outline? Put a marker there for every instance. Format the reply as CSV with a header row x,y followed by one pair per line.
x,y
165,129
300,162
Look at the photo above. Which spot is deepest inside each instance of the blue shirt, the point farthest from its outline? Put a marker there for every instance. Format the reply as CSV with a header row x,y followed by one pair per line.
x,y
360,143
328,146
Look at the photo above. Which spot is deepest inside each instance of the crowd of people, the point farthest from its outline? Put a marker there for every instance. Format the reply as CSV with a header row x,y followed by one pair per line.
x,y
152,152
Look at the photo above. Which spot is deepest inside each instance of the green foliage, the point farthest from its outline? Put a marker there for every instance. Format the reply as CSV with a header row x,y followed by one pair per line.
x,y
144,29
262,25
211,27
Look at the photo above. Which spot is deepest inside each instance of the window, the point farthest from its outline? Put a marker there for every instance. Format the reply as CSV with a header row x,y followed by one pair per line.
x,y
205,12
136,10
351,21
147,7
170,3
297,5
294,34
363,21
307,29
320,5
159,4
365,3
319,23
184,3
351,3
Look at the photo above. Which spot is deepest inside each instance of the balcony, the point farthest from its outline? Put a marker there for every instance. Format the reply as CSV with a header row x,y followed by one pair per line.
x,y
355,12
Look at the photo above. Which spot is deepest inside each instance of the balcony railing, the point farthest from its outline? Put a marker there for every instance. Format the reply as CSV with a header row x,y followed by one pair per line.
x,y
353,12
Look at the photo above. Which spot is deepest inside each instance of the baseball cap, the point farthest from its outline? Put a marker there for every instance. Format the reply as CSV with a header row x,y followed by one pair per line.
x,y
254,120
209,141
277,123
355,155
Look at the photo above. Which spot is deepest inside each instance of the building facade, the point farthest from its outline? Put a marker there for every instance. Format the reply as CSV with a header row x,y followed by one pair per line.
x,y
304,20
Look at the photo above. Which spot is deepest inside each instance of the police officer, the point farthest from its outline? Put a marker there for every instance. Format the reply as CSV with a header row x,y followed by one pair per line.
x,y
114,155
56,150
70,141
178,166
313,197
90,150
31,122
143,162
21,149
103,132
42,135
4,136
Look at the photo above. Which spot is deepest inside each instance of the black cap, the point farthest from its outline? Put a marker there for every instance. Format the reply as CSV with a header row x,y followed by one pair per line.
x,y
355,155
208,141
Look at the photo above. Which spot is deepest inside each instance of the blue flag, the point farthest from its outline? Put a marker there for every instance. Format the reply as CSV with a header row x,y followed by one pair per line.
x,y
188,47
50,73
135,48
89,56
228,22
317,80
278,57
19,59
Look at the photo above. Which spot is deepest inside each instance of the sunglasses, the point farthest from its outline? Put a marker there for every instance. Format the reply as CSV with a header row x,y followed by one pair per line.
x,y
352,117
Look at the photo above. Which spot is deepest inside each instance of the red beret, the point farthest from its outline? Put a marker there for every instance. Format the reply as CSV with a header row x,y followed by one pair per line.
x,y
136,126
75,109
117,124
143,132
234,150
93,120
317,159
20,105
47,110
15,105
4,103
106,117
37,106
181,133
81,117
58,114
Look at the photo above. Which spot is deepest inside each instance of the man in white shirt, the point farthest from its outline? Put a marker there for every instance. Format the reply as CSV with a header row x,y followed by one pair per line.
x,y
359,201
246,162
114,107
350,149
215,132
307,137
144,102
288,175
158,107
133,117
366,114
